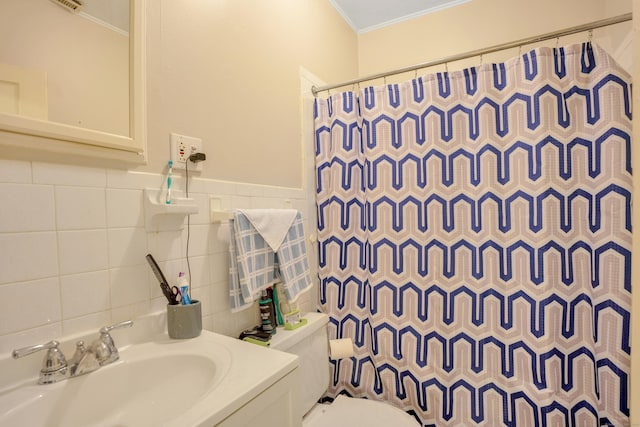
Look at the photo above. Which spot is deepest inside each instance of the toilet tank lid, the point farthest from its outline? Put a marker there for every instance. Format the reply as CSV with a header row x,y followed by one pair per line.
x,y
284,339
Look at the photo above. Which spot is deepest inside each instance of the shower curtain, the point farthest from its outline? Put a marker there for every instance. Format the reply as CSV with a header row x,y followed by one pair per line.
x,y
474,235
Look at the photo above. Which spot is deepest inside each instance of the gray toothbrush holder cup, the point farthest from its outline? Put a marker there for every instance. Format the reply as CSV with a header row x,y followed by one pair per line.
x,y
184,321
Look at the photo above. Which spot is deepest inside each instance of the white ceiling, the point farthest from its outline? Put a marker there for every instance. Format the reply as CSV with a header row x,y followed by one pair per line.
x,y
113,12
367,15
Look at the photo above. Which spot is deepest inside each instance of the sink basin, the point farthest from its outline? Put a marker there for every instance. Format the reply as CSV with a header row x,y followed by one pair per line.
x,y
149,385
198,382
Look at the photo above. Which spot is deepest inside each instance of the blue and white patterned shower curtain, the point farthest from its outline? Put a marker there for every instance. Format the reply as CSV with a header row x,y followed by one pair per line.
x,y
475,241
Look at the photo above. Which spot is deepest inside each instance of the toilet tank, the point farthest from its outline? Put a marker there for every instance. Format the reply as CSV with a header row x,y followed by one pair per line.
x,y
311,345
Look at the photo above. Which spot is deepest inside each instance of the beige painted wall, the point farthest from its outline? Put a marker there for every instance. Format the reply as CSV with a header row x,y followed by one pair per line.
x,y
474,25
228,72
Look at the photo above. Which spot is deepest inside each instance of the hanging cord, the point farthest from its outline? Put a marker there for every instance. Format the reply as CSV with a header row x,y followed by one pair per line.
x,y
195,158
186,191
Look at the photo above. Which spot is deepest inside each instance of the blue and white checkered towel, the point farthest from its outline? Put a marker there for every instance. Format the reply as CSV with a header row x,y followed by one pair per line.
x,y
254,265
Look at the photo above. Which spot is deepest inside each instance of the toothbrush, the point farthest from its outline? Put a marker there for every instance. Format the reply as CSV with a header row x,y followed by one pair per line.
x,y
169,177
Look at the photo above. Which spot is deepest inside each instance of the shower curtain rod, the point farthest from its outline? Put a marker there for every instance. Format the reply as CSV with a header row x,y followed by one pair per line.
x,y
548,36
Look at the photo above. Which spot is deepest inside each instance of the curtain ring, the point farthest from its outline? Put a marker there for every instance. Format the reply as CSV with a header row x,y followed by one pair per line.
x,y
519,54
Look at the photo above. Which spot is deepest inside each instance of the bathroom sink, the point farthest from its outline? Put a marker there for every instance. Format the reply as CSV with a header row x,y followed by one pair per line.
x,y
144,387
164,382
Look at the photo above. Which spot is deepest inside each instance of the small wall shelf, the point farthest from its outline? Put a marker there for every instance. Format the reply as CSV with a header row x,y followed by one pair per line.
x,y
160,216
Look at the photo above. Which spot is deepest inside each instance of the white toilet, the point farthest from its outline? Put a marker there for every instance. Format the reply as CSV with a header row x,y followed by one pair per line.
x,y
310,344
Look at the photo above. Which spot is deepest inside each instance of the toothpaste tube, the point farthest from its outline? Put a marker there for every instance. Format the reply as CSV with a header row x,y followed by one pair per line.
x,y
184,290
183,284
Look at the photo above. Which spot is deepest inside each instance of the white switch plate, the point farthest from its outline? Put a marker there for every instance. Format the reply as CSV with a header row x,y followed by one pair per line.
x,y
182,147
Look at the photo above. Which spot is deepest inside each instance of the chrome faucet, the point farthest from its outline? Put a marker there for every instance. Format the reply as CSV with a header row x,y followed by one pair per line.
x,y
83,361
104,348
55,367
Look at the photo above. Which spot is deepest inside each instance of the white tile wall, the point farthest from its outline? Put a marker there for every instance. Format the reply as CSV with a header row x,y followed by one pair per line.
x,y
43,296
124,208
80,208
33,208
82,251
73,245
27,256
15,171
85,293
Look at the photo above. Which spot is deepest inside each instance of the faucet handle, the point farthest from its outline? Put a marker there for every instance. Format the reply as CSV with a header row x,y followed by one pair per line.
x,y
107,329
54,364
104,348
25,351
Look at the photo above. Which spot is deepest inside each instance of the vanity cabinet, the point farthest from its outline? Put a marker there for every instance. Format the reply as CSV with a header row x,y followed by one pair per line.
x,y
277,406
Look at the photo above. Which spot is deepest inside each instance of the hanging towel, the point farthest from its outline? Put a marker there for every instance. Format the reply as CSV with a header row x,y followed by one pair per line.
x,y
272,224
252,260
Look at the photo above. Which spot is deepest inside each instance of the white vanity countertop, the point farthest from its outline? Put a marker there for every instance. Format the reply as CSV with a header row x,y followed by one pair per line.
x,y
253,369
145,387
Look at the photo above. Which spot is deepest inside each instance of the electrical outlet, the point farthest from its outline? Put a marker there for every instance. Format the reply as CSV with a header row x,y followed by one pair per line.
x,y
181,148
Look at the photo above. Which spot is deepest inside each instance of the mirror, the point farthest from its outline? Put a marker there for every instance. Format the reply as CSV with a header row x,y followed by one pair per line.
x,y
71,82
